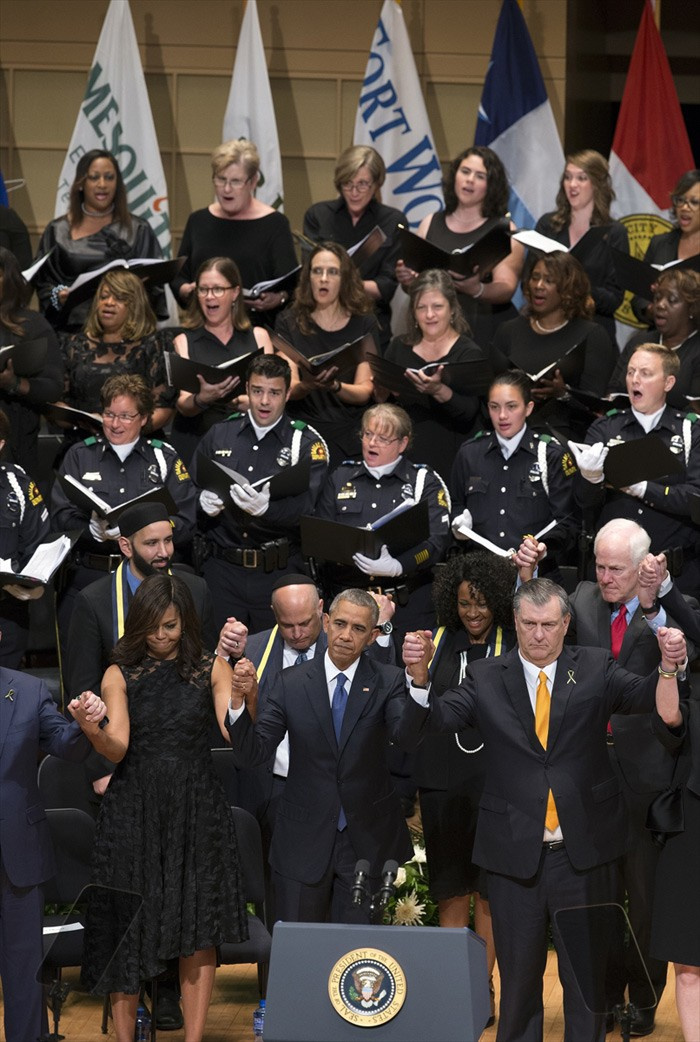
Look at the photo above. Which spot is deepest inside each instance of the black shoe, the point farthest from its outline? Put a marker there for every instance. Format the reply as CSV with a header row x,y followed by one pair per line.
x,y
168,1012
642,1023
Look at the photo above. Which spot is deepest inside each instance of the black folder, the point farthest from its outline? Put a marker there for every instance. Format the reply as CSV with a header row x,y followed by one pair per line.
x,y
333,541
182,372
470,377
644,459
484,253
151,270
345,358
87,501
288,481
28,356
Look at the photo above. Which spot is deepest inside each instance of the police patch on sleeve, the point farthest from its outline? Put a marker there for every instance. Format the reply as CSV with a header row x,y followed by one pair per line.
x,y
181,472
568,465
35,496
318,452
442,498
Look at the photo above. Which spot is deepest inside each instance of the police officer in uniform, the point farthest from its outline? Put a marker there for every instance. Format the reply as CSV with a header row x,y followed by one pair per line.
x,y
359,492
511,481
117,467
662,507
24,524
248,542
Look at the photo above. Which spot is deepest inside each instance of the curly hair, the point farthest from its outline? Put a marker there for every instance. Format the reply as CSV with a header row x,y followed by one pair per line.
x,y
488,576
128,289
75,199
152,599
495,202
352,296
687,285
441,282
15,293
596,169
128,385
573,285
228,269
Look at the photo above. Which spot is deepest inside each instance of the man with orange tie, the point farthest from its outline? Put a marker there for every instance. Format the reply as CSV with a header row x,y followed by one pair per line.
x,y
552,820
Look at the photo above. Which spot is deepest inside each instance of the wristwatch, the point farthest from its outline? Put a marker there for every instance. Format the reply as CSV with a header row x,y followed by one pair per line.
x,y
652,610
387,628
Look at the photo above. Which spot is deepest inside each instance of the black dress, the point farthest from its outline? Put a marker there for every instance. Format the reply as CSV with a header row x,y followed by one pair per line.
x,y
165,835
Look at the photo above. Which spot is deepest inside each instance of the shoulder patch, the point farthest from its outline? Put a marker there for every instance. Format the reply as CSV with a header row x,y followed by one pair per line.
x,y
442,498
35,496
181,471
318,452
568,465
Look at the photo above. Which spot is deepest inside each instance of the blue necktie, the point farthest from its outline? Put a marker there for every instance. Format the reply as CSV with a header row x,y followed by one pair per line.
x,y
340,700
301,657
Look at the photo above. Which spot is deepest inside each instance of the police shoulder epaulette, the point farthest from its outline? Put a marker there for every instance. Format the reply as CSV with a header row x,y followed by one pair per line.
x,y
541,436
92,440
351,463
234,416
615,412
156,443
419,466
692,416
480,434
299,425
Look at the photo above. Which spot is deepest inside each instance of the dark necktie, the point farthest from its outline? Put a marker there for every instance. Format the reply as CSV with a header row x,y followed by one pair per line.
x,y
618,628
301,657
340,700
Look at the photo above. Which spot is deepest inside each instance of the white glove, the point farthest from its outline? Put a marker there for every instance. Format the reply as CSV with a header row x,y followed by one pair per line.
x,y
113,533
463,520
98,528
590,460
385,564
254,501
210,503
637,490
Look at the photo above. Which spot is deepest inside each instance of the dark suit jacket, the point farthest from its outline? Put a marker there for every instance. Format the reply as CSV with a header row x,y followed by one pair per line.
x,y
323,772
91,633
645,765
588,688
29,722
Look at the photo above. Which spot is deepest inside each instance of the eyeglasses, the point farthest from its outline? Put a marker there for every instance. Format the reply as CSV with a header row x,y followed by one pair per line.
x,y
356,186
379,438
332,273
124,417
230,182
679,201
216,291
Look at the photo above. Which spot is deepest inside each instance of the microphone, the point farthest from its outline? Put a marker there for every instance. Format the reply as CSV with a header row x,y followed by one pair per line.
x,y
389,873
359,886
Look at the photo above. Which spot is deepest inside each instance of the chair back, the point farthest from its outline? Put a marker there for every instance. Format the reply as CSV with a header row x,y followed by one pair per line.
x,y
64,784
250,855
73,838
222,759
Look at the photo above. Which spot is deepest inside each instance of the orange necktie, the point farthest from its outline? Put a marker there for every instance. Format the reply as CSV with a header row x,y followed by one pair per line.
x,y
543,704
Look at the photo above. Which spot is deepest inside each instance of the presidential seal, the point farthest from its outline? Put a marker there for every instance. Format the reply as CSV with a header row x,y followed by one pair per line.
x,y
367,987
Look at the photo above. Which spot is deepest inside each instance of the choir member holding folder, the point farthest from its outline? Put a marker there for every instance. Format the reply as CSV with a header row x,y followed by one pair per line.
x,y
442,410
119,337
358,179
675,312
582,222
97,228
31,373
217,331
476,199
330,309
556,321
239,226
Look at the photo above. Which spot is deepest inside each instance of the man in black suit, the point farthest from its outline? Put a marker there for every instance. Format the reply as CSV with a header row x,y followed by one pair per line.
x,y
30,723
633,596
339,803
552,817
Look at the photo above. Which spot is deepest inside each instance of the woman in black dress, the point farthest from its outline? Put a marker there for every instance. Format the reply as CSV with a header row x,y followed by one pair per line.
x,y
473,596
217,330
476,199
443,410
675,934
330,309
166,860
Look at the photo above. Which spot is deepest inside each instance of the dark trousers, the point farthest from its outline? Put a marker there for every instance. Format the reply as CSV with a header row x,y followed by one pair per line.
x,y
243,593
522,911
329,900
21,954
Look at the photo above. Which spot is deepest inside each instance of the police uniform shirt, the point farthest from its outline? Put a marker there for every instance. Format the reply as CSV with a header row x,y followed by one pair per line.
x,y
514,497
151,463
354,496
664,512
24,517
235,444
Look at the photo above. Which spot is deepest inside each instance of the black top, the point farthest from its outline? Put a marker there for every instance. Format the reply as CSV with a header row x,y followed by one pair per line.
x,y
73,257
662,249
89,363
15,237
331,220
483,318
439,428
687,383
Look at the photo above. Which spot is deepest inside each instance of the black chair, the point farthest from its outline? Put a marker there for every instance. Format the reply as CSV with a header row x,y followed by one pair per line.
x,y
73,838
222,759
63,784
257,948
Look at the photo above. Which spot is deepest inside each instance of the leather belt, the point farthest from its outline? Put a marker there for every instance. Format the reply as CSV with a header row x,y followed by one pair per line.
x,y
554,844
99,562
269,557
401,591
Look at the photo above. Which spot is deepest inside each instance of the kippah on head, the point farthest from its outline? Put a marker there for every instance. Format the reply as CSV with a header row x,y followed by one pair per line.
x,y
293,580
140,515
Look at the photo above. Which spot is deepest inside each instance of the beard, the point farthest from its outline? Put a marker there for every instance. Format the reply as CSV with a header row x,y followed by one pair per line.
x,y
144,568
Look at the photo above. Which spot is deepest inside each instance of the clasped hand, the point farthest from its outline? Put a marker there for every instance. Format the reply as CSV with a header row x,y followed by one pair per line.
x,y
87,709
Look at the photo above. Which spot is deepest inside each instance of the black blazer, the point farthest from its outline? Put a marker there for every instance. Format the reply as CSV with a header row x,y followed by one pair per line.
x,y
588,688
323,773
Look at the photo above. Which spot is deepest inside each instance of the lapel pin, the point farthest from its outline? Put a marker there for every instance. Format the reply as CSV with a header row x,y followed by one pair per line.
x,y
366,690
571,678
10,695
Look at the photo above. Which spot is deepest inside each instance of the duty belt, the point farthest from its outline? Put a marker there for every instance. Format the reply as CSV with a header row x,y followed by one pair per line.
x,y
100,562
269,556
401,591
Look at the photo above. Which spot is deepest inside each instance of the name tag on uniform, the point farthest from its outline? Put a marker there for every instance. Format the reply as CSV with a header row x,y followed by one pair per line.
x,y
91,475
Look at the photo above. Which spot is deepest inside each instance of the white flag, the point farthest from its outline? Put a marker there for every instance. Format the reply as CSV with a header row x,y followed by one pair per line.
x,y
249,109
392,118
116,115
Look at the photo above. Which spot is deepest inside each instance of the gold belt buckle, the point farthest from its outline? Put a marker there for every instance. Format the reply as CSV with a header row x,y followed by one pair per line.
x,y
378,590
250,558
